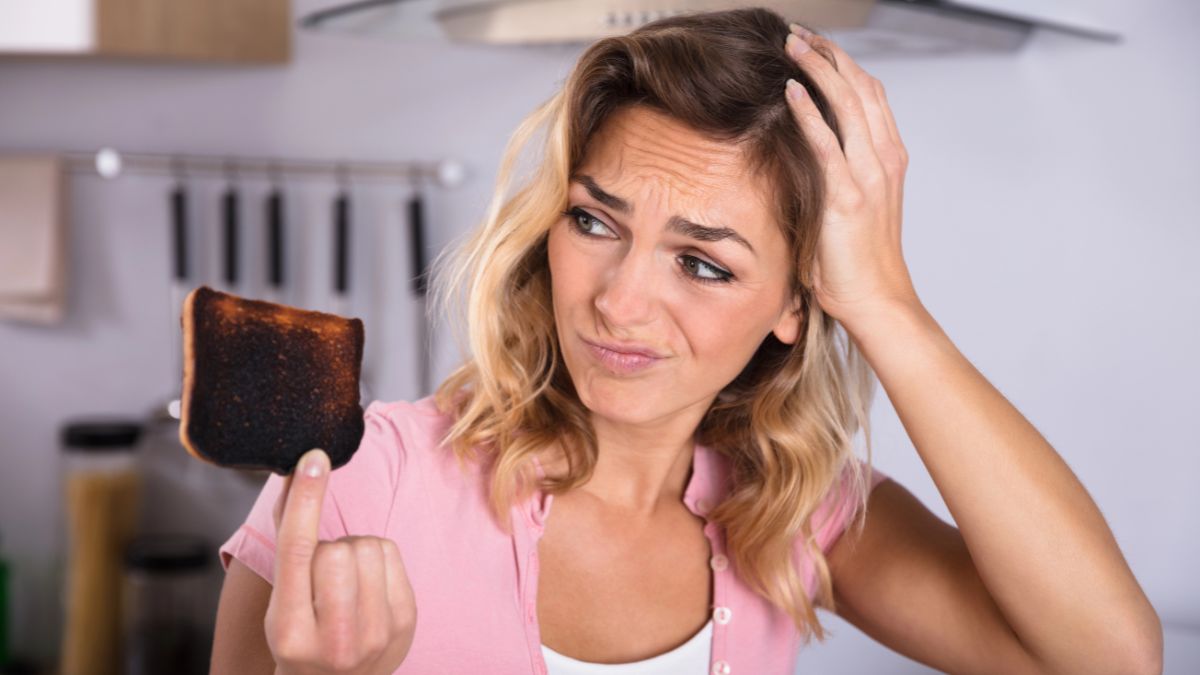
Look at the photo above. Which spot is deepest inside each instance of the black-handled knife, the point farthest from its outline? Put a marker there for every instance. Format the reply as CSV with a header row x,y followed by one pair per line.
x,y
178,203
341,251
229,216
420,287
275,234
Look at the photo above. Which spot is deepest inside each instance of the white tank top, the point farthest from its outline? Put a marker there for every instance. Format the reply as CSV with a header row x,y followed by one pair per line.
x,y
689,657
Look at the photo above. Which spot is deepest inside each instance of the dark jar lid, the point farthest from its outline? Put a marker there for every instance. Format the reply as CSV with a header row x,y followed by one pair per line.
x,y
100,435
168,553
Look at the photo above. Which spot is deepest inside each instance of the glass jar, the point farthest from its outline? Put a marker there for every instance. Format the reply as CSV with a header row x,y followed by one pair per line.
x,y
100,492
165,602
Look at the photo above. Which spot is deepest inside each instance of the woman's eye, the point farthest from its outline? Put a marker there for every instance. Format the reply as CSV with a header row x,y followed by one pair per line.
x,y
695,268
692,263
576,215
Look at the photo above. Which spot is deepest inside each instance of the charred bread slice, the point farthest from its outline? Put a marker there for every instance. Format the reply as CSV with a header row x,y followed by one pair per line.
x,y
264,383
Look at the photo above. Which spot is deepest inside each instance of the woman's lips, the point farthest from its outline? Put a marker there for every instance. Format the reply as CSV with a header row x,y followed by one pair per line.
x,y
620,362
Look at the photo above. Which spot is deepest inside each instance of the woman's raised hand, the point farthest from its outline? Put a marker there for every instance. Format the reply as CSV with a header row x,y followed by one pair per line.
x,y
342,606
860,268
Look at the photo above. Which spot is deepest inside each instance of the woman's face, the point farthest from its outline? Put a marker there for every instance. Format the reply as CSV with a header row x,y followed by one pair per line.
x,y
623,273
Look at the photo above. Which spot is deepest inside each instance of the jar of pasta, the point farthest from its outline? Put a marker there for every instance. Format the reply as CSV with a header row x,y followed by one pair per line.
x,y
100,499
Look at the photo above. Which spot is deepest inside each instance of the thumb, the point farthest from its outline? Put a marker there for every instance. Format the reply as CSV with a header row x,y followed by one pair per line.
x,y
296,531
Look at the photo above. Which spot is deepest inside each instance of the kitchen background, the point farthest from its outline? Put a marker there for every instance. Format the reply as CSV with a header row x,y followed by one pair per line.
x,y
1050,227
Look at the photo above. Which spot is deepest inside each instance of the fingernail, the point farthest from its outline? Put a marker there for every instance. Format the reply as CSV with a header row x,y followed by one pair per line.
x,y
796,46
799,30
795,89
314,463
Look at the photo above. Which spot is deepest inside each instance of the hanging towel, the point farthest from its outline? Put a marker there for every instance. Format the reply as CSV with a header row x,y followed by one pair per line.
x,y
32,238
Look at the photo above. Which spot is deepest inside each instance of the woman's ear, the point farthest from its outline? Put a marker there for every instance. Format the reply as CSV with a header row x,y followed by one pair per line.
x,y
787,329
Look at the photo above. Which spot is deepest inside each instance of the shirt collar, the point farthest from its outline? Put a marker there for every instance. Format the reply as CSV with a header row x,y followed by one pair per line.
x,y
707,486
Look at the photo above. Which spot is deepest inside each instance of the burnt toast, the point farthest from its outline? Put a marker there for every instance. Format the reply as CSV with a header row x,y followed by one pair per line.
x,y
263,383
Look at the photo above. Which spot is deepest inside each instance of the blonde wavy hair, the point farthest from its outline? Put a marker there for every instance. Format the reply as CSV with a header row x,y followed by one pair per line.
x,y
786,423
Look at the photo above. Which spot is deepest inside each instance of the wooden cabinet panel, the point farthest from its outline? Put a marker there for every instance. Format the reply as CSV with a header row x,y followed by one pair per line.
x,y
230,31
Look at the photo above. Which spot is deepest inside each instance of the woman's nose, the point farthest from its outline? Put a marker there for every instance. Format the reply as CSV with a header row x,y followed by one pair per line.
x,y
629,293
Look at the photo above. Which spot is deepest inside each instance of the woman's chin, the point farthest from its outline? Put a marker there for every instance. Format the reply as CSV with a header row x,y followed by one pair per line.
x,y
619,403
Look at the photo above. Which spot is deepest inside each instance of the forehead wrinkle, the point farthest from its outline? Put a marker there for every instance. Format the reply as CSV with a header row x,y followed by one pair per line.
x,y
694,178
684,164
701,158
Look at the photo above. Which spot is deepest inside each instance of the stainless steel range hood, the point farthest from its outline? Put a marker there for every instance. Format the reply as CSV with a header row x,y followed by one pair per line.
x,y
862,27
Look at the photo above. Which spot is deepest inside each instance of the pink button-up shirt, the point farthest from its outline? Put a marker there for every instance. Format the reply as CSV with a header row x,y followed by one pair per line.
x,y
475,585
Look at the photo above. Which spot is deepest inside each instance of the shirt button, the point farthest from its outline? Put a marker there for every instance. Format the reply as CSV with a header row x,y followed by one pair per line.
x,y
530,614
702,505
722,615
719,562
720,668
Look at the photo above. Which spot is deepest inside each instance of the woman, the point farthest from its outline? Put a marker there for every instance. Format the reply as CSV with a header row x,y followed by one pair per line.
x,y
648,458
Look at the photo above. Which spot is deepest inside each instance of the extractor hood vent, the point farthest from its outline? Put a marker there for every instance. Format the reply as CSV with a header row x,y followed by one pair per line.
x,y
862,27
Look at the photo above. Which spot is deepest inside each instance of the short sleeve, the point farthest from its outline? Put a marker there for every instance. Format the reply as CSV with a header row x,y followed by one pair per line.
x,y
830,519
841,506
358,497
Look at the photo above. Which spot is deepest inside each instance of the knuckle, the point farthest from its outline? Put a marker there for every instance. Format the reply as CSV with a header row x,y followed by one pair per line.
x,y
333,554
822,46
826,146
389,546
303,495
406,616
852,199
288,646
874,183
366,546
864,80
293,553
891,157
376,641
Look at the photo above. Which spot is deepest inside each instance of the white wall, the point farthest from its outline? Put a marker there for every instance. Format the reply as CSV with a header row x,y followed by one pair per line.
x,y
1049,223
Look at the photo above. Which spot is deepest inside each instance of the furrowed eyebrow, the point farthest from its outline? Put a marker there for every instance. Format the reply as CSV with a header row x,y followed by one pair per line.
x,y
676,223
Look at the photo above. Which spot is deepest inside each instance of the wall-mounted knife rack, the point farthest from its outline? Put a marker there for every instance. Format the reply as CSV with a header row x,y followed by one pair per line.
x,y
109,163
